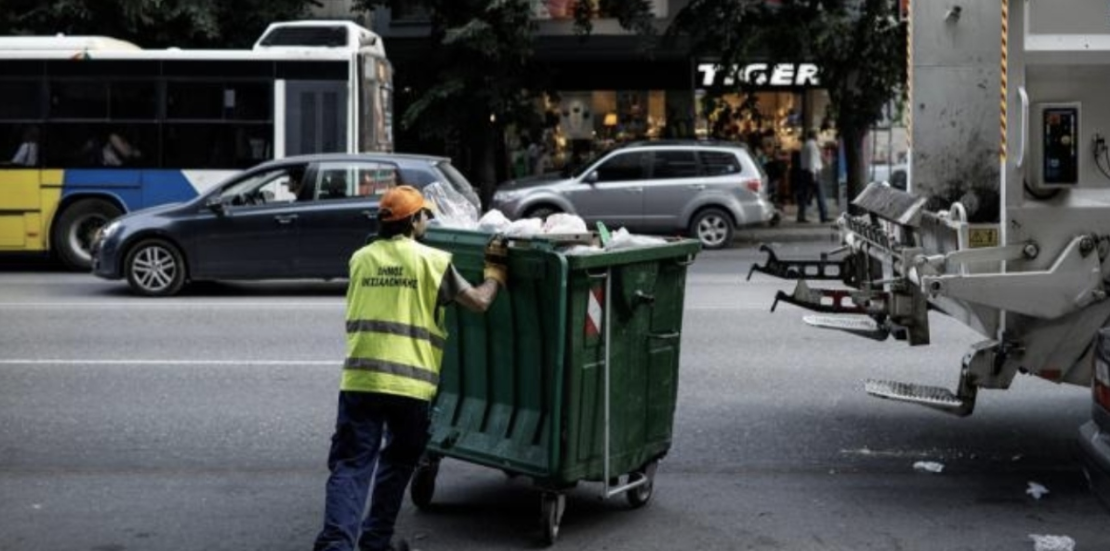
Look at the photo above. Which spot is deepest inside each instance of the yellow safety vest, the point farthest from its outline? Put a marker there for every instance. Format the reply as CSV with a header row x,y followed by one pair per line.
x,y
395,332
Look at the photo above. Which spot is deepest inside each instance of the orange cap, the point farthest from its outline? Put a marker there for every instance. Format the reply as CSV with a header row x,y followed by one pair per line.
x,y
401,202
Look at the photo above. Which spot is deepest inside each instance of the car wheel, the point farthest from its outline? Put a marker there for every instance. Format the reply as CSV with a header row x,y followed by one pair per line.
x,y
155,268
713,227
74,230
541,212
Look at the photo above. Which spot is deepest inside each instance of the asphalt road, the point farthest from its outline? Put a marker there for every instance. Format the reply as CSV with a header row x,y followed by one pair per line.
x,y
202,423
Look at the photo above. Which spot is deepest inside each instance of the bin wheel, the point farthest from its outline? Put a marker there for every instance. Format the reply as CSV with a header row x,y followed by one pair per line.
x,y
641,495
424,484
552,515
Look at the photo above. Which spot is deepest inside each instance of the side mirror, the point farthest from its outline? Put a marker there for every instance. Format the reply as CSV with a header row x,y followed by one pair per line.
x,y
591,178
216,205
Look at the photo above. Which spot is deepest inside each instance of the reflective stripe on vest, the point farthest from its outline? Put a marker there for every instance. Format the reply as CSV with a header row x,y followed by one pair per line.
x,y
395,333
379,366
354,326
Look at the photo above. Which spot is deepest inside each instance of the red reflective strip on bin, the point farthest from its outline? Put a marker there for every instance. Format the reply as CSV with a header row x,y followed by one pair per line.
x,y
1102,395
594,311
1102,384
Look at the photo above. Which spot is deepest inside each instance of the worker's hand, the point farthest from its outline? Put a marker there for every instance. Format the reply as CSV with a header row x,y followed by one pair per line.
x,y
497,261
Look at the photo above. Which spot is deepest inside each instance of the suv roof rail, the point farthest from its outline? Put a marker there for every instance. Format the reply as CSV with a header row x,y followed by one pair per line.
x,y
689,142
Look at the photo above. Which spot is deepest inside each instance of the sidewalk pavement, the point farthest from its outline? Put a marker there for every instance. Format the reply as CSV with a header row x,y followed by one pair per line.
x,y
789,229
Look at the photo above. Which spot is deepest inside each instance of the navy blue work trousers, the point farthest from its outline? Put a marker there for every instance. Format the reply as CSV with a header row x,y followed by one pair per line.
x,y
362,465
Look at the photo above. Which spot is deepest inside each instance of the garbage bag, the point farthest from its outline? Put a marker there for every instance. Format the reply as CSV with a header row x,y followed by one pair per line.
x,y
453,209
493,221
562,223
525,227
622,239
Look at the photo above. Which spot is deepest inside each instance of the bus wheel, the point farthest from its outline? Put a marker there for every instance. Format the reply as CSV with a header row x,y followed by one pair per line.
x,y
154,268
74,231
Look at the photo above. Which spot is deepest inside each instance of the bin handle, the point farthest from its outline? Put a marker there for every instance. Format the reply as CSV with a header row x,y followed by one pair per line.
x,y
671,335
686,261
597,275
644,298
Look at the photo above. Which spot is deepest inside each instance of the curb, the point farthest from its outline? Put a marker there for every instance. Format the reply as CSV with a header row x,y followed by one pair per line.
x,y
771,235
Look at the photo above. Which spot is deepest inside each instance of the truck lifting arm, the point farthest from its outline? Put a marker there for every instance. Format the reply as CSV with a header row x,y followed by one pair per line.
x,y
1008,117
903,261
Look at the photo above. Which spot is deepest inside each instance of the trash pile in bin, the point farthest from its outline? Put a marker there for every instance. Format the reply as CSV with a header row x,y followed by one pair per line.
x,y
453,210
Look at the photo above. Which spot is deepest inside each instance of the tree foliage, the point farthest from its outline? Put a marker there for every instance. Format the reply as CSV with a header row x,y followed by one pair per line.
x,y
153,23
484,76
479,66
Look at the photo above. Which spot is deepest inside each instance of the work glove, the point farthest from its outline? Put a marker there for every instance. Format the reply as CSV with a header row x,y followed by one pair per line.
x,y
497,261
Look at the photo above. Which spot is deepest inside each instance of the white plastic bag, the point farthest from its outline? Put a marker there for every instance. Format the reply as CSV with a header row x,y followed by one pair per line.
x,y
525,227
453,210
493,221
562,223
621,239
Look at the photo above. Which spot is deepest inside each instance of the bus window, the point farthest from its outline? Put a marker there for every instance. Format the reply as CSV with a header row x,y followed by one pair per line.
x,y
20,114
133,99
78,99
22,99
88,145
244,101
216,145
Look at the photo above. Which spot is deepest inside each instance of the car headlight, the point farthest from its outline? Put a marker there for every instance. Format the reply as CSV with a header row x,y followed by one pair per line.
x,y
509,195
107,231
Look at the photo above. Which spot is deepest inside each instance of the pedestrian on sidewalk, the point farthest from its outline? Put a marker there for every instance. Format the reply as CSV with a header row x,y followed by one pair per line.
x,y
812,165
396,296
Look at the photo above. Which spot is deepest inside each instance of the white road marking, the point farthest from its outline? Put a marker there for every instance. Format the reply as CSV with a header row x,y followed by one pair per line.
x,y
44,361
161,304
760,305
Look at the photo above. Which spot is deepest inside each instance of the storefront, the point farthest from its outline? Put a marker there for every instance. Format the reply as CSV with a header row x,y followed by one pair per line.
x,y
778,104
603,93
600,103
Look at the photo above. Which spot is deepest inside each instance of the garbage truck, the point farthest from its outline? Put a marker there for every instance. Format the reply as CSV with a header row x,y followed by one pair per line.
x,y
1005,225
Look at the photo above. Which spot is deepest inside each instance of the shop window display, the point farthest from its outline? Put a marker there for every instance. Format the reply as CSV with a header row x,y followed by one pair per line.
x,y
577,125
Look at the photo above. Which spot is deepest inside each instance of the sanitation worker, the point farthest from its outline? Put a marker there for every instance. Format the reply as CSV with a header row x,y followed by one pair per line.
x,y
395,338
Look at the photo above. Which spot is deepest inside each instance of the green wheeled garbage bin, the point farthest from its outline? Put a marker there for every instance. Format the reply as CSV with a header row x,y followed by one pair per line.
x,y
571,376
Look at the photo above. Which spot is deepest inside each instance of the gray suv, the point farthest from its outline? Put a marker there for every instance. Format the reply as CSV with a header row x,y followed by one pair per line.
x,y
704,188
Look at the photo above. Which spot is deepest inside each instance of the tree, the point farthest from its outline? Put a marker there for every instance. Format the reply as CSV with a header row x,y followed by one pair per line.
x,y
153,23
481,76
477,78
858,45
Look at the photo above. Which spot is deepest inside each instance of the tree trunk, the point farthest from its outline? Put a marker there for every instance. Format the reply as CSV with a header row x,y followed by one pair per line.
x,y
854,157
484,162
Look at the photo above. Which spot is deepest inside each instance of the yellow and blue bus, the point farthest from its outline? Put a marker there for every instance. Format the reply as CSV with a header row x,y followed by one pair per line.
x,y
93,127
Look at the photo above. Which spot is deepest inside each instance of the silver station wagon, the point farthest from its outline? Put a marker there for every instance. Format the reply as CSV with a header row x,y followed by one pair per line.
x,y
705,189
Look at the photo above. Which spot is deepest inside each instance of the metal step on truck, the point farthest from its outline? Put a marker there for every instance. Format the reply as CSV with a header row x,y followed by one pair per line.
x,y
1005,225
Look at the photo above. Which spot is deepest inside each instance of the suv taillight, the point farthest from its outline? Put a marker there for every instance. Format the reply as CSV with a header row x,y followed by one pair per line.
x,y
1101,384
754,185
